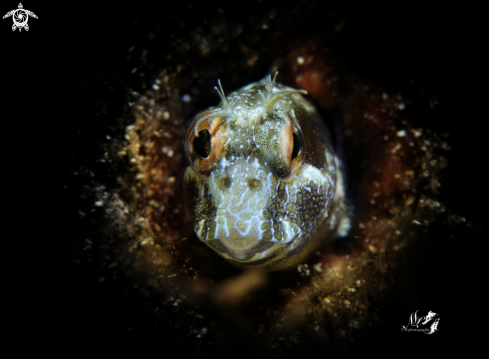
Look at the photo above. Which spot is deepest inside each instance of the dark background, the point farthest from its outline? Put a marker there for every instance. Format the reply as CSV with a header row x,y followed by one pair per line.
x,y
65,83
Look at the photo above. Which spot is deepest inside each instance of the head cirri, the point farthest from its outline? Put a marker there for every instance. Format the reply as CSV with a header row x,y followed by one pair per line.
x,y
263,186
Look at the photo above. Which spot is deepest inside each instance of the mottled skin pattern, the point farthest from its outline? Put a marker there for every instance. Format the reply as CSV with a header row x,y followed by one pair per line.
x,y
270,185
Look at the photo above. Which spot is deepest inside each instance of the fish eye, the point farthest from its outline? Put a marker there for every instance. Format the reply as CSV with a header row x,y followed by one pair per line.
x,y
297,146
295,151
202,143
205,142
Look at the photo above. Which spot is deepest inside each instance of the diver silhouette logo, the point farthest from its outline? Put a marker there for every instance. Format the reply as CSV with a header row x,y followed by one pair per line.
x,y
20,17
426,324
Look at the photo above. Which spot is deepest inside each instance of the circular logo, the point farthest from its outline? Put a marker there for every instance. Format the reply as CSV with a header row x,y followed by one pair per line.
x,y
20,17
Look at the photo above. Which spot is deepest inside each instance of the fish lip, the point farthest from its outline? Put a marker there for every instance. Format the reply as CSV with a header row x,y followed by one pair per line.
x,y
294,238
270,210
281,218
258,240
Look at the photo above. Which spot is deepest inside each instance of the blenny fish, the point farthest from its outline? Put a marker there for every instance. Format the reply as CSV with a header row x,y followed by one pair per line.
x,y
264,186
260,177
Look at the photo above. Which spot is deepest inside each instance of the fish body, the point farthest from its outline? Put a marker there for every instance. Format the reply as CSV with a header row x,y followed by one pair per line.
x,y
264,186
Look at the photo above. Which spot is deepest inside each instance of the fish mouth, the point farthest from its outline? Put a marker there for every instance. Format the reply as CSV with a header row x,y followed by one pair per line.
x,y
257,236
242,252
